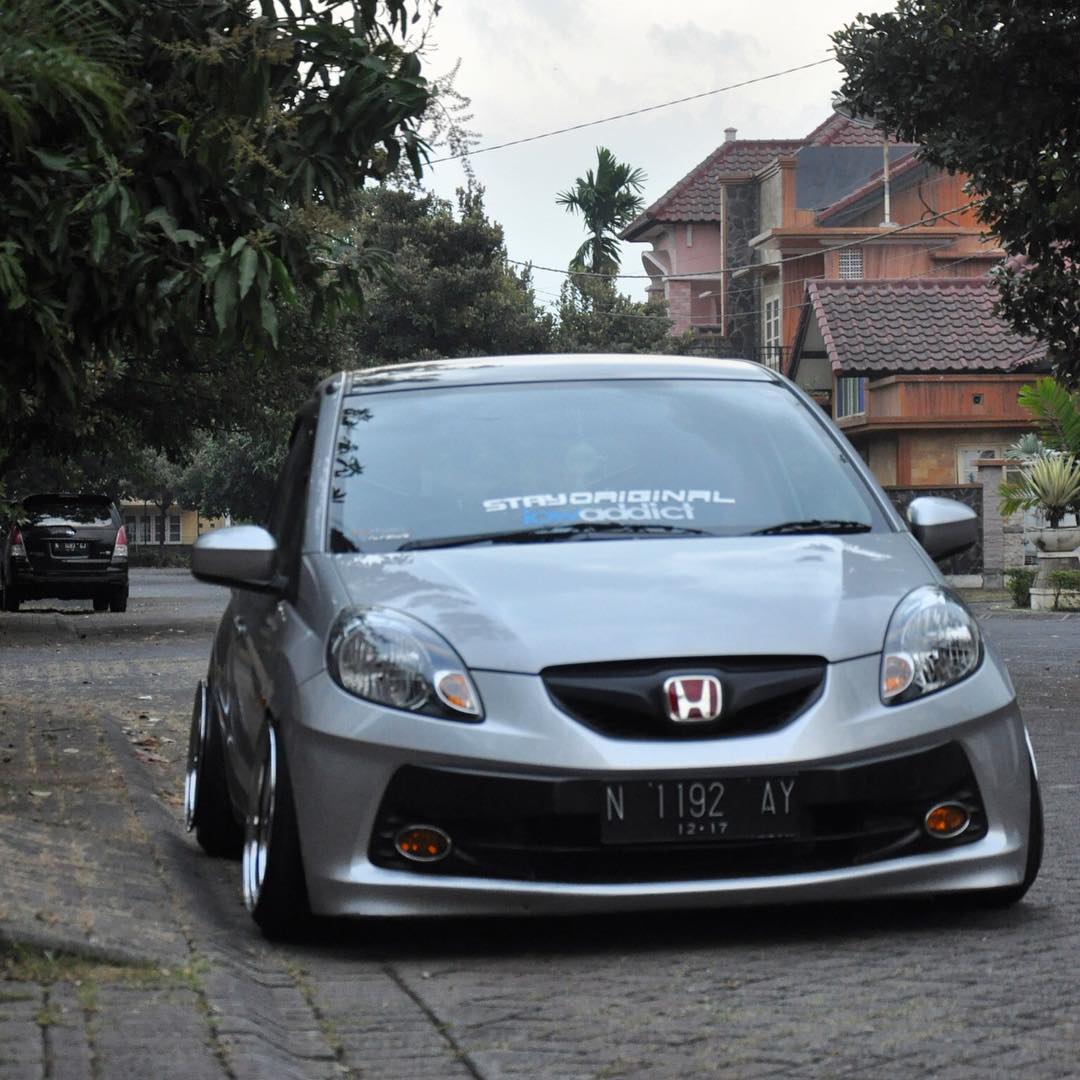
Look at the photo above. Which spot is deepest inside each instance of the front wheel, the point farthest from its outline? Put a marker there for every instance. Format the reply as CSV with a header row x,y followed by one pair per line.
x,y
207,807
275,891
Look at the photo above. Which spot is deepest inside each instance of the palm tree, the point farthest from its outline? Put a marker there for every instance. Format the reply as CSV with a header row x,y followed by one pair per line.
x,y
608,201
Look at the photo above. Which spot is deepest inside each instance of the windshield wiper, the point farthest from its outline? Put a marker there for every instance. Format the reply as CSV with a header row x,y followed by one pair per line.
x,y
813,525
548,533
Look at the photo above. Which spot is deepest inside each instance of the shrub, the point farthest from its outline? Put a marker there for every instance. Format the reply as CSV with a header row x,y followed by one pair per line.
x,y
1019,582
1065,581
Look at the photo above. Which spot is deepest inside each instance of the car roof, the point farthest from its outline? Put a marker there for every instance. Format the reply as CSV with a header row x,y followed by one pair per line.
x,y
551,367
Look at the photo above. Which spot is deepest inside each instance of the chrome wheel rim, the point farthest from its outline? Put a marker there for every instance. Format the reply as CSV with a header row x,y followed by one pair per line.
x,y
196,742
259,824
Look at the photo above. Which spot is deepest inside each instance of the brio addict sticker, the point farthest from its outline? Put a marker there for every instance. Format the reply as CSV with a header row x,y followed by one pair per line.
x,y
633,497
637,504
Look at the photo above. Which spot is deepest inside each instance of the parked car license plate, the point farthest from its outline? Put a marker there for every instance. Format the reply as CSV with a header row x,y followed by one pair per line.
x,y
708,809
69,547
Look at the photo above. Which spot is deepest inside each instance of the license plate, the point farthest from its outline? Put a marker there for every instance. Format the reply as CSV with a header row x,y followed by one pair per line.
x,y
700,809
69,547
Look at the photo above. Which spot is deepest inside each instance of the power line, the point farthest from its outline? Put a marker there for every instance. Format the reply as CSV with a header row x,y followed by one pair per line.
x,y
861,241
802,304
633,112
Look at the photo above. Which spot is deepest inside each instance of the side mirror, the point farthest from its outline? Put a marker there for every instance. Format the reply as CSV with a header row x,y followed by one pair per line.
x,y
942,526
242,557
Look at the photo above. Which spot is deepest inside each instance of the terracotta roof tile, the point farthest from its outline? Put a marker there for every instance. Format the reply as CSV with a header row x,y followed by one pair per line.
x,y
873,327
696,197
839,130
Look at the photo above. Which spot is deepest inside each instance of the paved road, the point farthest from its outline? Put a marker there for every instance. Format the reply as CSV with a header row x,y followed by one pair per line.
x,y
93,717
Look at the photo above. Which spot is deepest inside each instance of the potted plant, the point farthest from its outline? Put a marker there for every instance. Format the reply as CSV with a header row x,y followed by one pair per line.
x,y
1050,483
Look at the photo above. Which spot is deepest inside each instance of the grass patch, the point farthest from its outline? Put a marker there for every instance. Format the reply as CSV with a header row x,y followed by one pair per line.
x,y
20,963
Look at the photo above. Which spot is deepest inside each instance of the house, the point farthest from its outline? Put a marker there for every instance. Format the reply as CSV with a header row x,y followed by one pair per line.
x,y
851,264
919,373
182,527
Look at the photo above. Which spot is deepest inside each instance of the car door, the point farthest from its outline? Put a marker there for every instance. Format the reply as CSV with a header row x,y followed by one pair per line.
x,y
260,619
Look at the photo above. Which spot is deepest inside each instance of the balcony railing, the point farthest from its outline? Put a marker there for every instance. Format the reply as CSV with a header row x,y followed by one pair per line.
x,y
771,356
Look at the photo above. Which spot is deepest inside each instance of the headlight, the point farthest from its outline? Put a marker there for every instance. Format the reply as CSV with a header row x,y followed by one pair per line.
x,y
932,642
395,660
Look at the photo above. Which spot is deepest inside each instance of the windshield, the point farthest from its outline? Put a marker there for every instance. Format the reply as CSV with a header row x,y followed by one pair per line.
x,y
52,510
513,462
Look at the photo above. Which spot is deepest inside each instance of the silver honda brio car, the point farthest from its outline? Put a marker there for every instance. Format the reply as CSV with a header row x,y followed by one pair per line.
x,y
591,633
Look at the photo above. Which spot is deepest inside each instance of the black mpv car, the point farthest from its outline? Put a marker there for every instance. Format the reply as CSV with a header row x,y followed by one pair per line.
x,y
67,547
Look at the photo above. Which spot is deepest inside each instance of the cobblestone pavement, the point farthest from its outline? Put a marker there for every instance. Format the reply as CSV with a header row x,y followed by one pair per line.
x,y
129,954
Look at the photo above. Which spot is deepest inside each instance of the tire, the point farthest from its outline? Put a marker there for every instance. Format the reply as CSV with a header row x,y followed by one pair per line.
x,y
1008,895
208,810
117,602
101,603
275,892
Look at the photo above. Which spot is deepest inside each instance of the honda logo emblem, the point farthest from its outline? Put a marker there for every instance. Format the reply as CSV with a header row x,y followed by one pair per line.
x,y
693,697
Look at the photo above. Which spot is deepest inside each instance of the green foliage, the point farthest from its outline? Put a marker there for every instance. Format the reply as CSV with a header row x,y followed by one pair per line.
x,y
1057,411
453,293
983,87
1065,581
608,200
1019,582
1050,484
175,178
595,318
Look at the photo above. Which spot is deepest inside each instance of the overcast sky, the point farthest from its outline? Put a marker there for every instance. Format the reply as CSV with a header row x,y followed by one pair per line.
x,y
531,66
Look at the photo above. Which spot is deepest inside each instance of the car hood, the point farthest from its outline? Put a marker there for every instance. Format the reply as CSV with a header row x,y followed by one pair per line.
x,y
524,607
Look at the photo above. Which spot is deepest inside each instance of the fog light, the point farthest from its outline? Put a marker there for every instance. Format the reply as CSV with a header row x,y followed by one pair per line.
x,y
947,820
422,843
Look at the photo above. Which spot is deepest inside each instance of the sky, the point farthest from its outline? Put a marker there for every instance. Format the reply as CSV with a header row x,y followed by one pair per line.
x,y
531,66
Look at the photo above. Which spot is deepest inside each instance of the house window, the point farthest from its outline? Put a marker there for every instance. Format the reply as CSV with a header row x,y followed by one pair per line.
x,y
132,529
145,533
967,471
850,395
771,336
174,528
851,264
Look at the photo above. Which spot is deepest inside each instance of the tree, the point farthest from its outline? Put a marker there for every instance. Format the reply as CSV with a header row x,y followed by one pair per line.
x,y
594,317
174,178
988,88
608,201
452,292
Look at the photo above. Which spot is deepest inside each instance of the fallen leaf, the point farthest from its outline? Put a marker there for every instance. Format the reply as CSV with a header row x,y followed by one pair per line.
x,y
40,794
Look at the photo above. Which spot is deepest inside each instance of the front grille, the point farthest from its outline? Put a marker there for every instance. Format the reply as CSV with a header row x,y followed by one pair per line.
x,y
549,830
625,699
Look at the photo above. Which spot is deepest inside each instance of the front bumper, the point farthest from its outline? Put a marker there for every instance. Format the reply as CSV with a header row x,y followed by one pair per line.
x,y
520,790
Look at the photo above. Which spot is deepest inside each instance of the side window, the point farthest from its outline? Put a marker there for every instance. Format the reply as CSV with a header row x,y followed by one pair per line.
x,y
289,504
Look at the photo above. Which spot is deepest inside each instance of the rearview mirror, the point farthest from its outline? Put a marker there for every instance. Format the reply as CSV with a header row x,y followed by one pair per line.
x,y
943,526
242,557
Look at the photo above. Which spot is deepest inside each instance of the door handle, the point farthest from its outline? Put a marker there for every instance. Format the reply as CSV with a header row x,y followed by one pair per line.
x,y
240,625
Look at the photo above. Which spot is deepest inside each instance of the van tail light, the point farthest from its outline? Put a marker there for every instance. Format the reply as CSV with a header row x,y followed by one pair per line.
x,y
18,547
120,550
